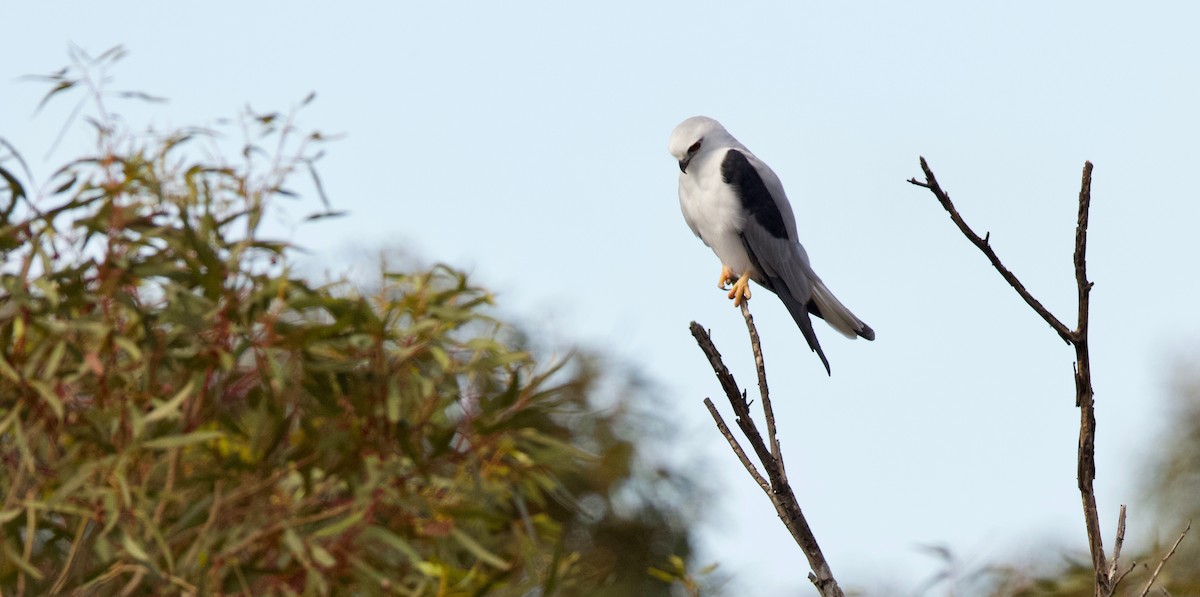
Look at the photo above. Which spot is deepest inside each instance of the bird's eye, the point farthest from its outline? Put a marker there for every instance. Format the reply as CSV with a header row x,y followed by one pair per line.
x,y
695,147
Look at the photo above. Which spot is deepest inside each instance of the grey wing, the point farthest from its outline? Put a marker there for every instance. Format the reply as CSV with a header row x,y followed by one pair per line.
x,y
782,266
769,236
775,187
819,300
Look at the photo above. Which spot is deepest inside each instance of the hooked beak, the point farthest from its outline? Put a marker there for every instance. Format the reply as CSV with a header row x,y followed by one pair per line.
x,y
683,164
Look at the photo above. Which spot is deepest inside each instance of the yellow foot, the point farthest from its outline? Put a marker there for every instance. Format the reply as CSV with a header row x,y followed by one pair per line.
x,y
726,278
741,290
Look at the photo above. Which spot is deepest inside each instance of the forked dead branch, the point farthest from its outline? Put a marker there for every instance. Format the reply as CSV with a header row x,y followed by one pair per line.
x,y
1107,576
775,483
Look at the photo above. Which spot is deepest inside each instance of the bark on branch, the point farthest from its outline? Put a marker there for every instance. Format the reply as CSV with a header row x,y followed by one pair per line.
x,y
775,483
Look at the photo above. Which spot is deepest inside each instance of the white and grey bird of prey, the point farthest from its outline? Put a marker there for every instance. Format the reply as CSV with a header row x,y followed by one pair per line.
x,y
736,205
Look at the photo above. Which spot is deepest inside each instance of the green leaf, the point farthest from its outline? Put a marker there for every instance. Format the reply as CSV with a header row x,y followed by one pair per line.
x,y
664,576
295,545
10,555
340,525
62,188
9,418
61,87
431,569
133,548
14,185
130,347
177,441
48,395
394,399
321,215
478,550
170,408
55,359
322,557
394,541
7,370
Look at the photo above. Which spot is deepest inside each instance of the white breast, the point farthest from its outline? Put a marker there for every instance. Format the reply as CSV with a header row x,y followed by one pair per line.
x,y
713,210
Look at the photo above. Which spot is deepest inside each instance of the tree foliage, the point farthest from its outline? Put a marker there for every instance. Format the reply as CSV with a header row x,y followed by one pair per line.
x,y
1173,501
181,413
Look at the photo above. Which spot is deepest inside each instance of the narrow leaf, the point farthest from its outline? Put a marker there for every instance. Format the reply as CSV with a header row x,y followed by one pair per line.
x,y
170,408
176,441
49,396
135,550
478,550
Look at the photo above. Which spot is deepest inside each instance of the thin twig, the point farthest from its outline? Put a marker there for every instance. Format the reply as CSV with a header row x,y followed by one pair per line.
x,y
15,488
172,466
931,183
1163,562
1120,577
30,534
1117,544
66,567
736,399
761,368
737,448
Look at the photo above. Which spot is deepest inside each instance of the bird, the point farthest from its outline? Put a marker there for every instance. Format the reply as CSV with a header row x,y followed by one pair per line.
x,y
736,204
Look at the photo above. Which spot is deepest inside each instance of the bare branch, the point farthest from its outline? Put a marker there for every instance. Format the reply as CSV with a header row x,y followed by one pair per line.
x,y
777,488
1157,569
736,398
1081,281
1120,577
761,368
1105,577
931,183
737,448
1086,471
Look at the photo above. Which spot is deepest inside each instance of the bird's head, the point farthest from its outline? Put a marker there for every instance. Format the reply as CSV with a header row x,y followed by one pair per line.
x,y
695,136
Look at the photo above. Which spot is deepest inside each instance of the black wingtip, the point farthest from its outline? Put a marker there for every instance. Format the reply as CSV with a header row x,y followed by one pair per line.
x,y
867,332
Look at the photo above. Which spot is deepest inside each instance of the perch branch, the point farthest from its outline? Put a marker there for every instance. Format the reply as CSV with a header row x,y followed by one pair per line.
x,y
761,368
776,485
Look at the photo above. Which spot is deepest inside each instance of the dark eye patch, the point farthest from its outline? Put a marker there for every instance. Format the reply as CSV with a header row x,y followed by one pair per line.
x,y
695,146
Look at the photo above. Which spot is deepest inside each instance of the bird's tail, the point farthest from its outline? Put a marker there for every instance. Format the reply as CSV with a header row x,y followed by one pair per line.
x,y
827,307
799,312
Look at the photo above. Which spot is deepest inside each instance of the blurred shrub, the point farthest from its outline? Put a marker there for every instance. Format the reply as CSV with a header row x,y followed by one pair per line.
x,y
1153,527
179,413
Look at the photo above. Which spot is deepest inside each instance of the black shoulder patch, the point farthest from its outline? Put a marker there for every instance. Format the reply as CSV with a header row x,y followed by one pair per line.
x,y
739,173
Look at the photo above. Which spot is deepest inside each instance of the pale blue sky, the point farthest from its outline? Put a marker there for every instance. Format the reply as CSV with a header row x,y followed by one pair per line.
x,y
527,143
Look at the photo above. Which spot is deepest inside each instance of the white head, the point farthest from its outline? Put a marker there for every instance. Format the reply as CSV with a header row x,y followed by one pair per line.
x,y
695,136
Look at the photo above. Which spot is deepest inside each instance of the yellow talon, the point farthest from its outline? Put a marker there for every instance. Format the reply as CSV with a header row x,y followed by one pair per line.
x,y
726,278
741,290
